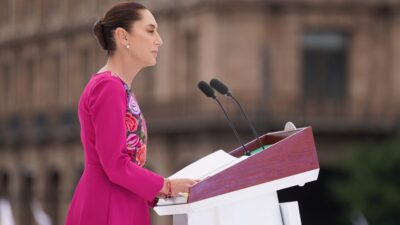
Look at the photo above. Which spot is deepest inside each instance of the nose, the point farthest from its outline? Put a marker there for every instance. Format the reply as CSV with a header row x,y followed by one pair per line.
x,y
159,41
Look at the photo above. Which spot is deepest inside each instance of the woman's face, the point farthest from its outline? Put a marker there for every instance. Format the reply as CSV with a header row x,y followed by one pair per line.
x,y
144,40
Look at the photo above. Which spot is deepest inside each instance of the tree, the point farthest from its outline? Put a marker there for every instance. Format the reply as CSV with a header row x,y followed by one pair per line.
x,y
372,186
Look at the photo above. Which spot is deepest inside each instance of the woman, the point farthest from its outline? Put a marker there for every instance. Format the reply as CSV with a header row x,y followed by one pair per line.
x,y
114,188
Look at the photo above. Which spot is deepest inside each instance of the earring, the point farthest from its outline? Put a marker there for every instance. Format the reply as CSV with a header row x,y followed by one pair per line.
x,y
127,46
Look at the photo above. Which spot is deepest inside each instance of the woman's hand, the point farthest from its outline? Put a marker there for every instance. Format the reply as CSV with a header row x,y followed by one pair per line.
x,y
177,186
181,185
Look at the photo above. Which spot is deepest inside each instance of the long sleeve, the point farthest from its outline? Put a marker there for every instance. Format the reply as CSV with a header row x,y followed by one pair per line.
x,y
107,105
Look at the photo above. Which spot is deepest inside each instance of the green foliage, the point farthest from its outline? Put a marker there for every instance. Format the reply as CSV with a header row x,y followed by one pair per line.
x,y
372,186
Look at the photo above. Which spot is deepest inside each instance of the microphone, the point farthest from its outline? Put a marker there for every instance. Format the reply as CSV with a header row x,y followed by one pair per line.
x,y
223,89
209,92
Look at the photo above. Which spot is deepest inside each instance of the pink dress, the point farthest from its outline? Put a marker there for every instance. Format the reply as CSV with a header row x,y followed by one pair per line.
x,y
114,188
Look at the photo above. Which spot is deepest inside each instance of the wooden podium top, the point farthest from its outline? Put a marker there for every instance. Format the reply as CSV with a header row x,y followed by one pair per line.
x,y
290,153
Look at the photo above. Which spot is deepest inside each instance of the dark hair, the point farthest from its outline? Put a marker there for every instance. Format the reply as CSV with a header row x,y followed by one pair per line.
x,y
120,15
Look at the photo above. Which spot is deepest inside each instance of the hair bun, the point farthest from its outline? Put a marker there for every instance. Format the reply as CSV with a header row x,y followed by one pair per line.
x,y
99,32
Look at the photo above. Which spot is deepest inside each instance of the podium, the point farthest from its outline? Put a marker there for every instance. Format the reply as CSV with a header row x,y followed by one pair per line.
x,y
246,192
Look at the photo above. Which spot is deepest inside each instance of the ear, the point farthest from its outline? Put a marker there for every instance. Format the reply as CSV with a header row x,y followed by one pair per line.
x,y
121,36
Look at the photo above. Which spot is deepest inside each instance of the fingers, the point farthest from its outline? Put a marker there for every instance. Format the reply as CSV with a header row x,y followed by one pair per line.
x,y
197,181
188,183
182,185
192,182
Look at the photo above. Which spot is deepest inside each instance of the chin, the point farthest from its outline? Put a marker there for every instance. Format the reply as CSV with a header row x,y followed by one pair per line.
x,y
153,62
149,64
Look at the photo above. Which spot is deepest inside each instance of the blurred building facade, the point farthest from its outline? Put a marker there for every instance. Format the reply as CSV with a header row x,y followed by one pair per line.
x,y
330,64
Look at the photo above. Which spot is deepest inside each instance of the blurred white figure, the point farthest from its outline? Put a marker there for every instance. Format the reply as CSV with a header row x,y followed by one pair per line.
x,y
39,214
6,217
359,219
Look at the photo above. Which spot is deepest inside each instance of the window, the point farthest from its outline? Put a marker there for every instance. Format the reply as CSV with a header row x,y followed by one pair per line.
x,y
59,84
324,67
56,72
4,183
192,59
5,12
15,129
67,127
41,128
53,82
26,86
30,73
5,86
53,195
26,198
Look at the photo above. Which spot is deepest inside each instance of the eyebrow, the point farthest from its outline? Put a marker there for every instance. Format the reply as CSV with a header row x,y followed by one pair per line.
x,y
152,25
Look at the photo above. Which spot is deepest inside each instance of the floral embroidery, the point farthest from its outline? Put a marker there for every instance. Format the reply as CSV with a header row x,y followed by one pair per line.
x,y
133,106
141,154
136,130
131,122
132,141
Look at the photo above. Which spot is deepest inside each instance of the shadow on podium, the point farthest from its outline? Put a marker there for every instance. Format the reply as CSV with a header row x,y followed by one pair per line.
x,y
317,202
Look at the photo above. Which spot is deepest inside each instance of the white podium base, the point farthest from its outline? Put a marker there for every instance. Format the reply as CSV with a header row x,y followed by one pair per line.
x,y
290,213
256,205
263,210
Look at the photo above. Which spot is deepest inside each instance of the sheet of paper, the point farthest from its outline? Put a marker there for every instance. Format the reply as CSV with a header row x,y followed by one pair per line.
x,y
173,201
204,166
207,166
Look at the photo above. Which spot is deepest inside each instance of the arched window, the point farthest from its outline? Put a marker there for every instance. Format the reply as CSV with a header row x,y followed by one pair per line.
x,y
26,197
4,182
53,195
